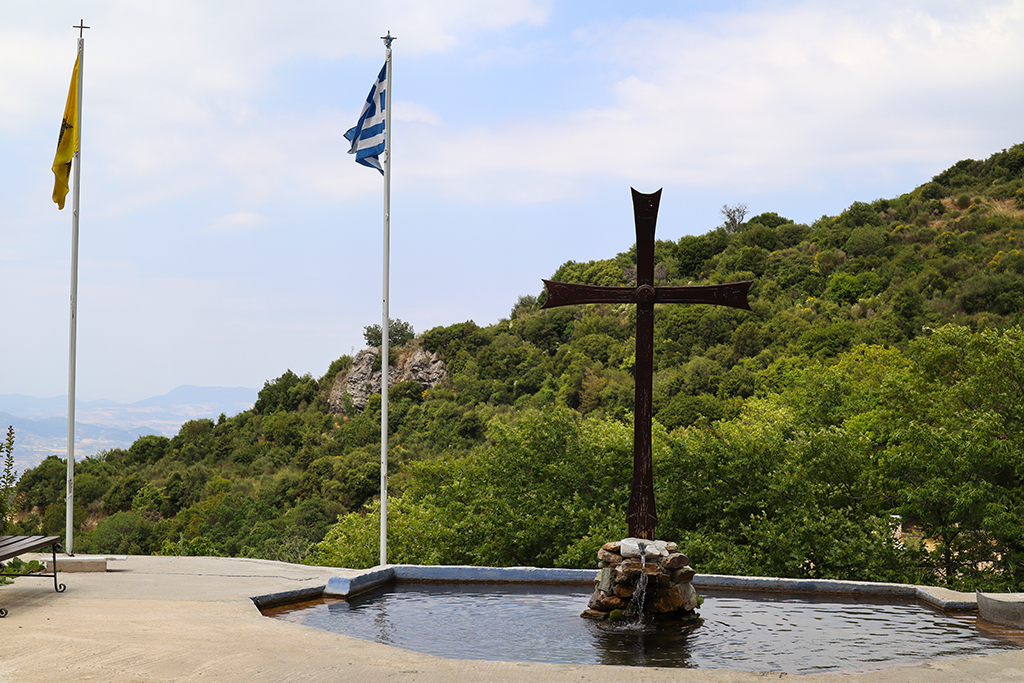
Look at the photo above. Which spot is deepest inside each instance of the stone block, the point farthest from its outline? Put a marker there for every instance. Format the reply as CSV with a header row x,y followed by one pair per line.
x,y
630,547
78,564
604,580
627,572
683,575
675,561
666,601
1005,609
606,603
623,591
345,586
608,556
688,595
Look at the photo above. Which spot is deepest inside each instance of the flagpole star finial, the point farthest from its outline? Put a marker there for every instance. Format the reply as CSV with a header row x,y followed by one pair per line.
x,y
81,25
388,40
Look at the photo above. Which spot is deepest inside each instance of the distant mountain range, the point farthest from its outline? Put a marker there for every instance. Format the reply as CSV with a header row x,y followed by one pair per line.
x,y
40,424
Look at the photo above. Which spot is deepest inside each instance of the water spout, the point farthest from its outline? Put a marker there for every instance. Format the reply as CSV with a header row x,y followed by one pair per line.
x,y
625,587
636,603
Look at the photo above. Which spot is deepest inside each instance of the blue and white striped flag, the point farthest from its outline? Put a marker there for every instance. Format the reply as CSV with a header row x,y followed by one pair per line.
x,y
367,136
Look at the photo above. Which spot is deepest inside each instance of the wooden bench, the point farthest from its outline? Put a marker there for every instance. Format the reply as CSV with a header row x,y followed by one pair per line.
x,y
12,546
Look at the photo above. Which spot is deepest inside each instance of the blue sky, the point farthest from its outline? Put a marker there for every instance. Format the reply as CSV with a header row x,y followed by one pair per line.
x,y
226,236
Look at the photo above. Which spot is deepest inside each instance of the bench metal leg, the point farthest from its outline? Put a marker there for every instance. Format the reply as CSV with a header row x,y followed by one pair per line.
x,y
3,612
59,587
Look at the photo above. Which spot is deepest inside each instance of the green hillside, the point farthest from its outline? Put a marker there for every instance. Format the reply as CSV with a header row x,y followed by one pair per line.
x,y
880,373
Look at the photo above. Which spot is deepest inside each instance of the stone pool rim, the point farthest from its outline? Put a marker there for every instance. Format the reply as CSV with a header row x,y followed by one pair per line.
x,y
362,581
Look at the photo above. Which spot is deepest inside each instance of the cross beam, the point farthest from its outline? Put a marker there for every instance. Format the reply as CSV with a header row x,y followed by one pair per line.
x,y
641,514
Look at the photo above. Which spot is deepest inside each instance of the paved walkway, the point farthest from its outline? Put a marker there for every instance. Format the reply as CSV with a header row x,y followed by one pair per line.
x,y
191,619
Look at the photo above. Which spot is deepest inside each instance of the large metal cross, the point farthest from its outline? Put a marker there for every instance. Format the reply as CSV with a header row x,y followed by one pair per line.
x,y
641,514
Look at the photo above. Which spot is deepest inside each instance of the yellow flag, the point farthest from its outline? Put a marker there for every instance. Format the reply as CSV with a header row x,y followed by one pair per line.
x,y
67,143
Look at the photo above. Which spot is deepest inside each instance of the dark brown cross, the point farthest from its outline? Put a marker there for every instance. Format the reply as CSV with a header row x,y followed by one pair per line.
x,y
81,25
641,514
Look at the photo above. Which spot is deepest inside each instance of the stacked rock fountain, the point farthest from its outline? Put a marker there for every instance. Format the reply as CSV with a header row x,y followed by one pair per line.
x,y
637,577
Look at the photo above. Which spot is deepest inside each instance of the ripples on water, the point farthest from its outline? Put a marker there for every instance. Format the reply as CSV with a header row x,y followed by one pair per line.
x,y
738,631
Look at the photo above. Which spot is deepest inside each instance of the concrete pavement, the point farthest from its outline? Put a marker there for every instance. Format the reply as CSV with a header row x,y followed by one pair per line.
x,y
192,619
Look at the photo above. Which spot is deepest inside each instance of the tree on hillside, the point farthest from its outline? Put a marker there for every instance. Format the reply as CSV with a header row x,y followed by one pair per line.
x,y
8,476
734,216
288,392
400,333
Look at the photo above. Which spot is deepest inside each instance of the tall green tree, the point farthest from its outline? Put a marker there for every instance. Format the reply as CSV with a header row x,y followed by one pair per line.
x,y
8,477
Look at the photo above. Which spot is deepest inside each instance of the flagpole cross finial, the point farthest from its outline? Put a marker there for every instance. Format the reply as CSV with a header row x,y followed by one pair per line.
x,y
388,39
81,26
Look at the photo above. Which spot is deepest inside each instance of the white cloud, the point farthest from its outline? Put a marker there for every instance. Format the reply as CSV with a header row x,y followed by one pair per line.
x,y
240,220
410,112
173,91
765,97
769,98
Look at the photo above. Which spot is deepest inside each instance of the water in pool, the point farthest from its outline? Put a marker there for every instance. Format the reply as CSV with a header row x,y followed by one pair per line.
x,y
738,631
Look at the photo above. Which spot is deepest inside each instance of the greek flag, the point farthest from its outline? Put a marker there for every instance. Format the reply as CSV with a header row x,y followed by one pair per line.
x,y
367,136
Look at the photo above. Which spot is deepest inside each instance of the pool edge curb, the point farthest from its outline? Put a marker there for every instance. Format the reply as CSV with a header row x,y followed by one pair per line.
x,y
365,580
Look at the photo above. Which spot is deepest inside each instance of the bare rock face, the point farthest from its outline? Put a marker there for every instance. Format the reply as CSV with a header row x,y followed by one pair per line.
x,y
361,381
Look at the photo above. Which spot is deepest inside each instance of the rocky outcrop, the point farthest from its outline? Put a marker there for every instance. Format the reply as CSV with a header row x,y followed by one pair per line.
x,y
361,381
637,577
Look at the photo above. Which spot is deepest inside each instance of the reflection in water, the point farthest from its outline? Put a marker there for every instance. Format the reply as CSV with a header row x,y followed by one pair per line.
x,y
738,631
385,629
666,643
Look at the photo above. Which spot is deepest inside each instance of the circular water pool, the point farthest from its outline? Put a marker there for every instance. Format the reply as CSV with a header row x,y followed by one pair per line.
x,y
738,631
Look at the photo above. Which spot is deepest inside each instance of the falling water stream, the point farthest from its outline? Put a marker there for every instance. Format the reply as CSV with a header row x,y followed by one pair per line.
x,y
636,603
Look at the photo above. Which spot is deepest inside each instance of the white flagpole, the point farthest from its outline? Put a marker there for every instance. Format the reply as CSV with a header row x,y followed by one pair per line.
x,y
73,342
385,316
